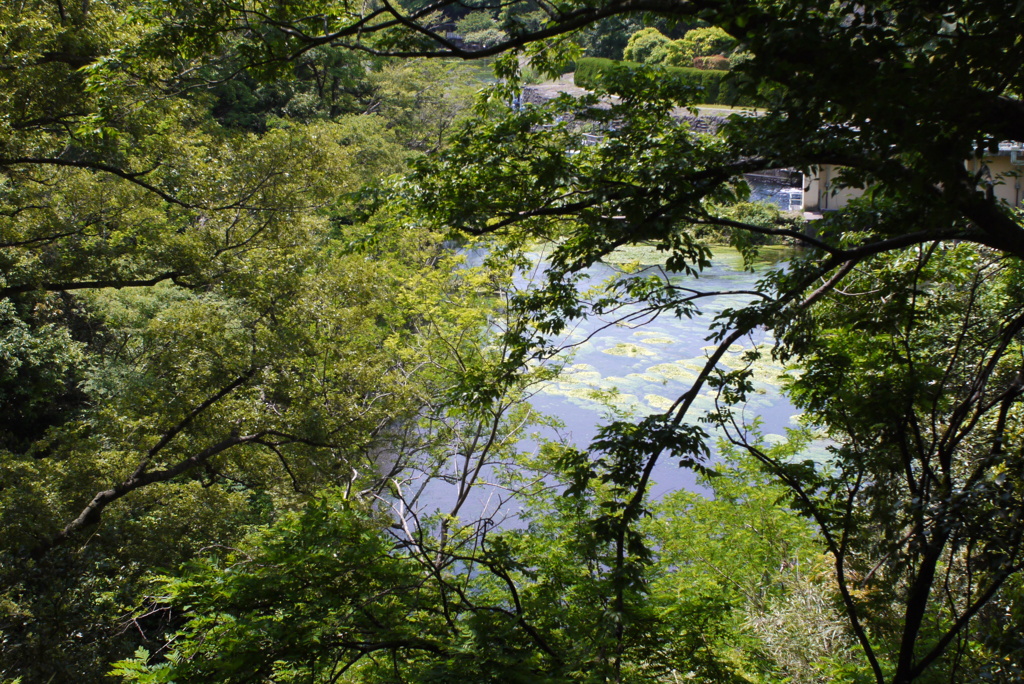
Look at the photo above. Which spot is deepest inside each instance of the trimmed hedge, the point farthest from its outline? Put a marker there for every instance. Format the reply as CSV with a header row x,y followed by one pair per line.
x,y
714,87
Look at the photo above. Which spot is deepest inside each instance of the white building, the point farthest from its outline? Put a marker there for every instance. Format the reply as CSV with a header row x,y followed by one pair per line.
x,y
1002,171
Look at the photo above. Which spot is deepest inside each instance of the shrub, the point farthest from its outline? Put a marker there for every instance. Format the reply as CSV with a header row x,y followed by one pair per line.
x,y
702,42
595,72
648,46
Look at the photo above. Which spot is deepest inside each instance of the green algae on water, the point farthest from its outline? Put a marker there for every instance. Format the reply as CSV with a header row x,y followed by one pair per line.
x,y
672,371
629,349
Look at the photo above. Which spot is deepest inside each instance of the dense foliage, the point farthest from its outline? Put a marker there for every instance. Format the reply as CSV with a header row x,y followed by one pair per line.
x,y
714,85
232,352
651,46
185,292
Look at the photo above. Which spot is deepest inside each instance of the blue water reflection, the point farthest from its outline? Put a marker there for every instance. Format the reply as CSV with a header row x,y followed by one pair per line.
x,y
641,370
632,371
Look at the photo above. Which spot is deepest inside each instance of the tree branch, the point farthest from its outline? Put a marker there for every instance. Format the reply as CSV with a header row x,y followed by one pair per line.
x,y
86,285
90,515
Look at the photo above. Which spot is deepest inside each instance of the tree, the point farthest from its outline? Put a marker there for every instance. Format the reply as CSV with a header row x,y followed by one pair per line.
x,y
650,177
648,46
480,28
914,369
324,84
609,37
194,337
700,42
615,198
522,604
757,567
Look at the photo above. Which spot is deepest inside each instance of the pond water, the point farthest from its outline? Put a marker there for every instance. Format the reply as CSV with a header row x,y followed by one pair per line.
x,y
638,370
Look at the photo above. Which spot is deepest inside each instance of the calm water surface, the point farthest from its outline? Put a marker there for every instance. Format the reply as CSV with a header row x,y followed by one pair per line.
x,y
639,370
628,371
